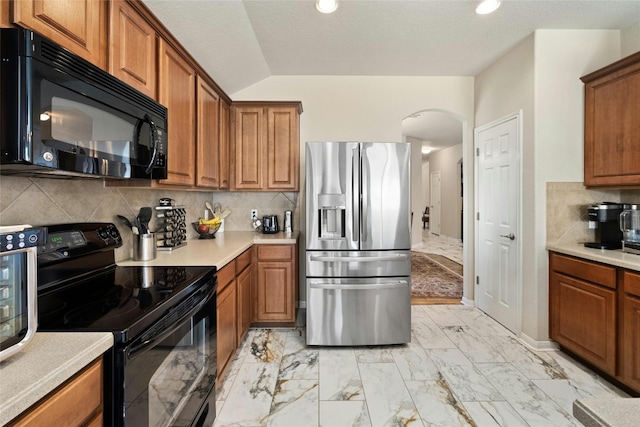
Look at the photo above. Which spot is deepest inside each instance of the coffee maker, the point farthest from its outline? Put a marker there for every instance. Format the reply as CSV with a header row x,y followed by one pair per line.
x,y
605,218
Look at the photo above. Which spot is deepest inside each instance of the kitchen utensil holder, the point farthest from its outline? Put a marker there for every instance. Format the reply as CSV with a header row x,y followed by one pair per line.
x,y
172,227
144,247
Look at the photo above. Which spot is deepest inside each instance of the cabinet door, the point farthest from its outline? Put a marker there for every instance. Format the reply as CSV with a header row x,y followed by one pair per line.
x,y
275,292
249,148
583,319
244,283
132,48
224,142
283,147
630,369
612,108
208,147
79,26
177,91
226,327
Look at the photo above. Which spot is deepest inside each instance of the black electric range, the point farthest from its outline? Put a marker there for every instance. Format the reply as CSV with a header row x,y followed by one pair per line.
x,y
158,315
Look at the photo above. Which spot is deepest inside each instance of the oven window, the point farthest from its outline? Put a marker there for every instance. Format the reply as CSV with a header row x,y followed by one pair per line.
x,y
162,383
13,299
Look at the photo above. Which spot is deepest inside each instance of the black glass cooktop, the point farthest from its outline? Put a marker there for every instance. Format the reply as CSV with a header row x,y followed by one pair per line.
x,y
122,300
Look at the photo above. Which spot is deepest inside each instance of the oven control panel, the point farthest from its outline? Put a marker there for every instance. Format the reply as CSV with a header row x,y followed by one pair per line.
x,y
16,240
74,240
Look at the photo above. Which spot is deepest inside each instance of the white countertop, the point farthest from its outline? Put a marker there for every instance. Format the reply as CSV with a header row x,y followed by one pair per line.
x,y
47,361
615,412
216,252
613,257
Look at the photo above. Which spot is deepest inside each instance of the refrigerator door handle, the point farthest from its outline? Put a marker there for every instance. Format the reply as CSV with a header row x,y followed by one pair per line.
x,y
355,194
395,257
365,195
358,287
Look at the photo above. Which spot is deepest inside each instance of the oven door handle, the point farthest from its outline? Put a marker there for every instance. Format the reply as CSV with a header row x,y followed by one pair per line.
x,y
140,346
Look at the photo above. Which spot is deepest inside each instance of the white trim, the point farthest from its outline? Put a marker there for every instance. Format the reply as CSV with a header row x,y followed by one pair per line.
x,y
468,302
538,345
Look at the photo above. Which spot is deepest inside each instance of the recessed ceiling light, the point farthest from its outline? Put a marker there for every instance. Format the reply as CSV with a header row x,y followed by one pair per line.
x,y
326,6
487,6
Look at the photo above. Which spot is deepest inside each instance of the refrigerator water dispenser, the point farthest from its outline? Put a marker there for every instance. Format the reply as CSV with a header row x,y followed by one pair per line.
x,y
332,216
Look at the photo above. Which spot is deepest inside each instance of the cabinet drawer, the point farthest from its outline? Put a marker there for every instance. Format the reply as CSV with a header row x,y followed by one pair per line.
x,y
226,275
275,252
243,260
585,270
72,405
632,283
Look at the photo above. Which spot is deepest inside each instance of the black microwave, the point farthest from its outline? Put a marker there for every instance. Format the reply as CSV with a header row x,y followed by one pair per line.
x,y
61,115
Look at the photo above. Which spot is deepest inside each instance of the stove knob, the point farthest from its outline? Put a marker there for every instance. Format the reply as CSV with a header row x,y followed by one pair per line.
x,y
113,232
103,234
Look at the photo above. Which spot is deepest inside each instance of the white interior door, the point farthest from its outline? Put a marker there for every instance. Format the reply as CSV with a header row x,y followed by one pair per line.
x,y
434,210
498,244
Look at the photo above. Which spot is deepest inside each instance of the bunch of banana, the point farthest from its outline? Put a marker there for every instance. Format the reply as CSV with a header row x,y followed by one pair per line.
x,y
210,222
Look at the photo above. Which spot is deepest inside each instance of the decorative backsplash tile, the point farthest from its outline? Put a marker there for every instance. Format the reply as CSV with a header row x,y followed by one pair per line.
x,y
567,204
40,201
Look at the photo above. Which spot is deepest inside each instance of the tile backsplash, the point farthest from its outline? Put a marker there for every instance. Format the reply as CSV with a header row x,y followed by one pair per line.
x,y
567,204
39,201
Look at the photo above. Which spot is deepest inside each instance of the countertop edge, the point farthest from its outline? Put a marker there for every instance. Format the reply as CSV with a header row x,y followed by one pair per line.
x,y
31,374
607,412
616,258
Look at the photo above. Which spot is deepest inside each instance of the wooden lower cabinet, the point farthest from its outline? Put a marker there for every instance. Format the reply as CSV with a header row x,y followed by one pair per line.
x,y
583,309
630,360
226,316
244,280
594,312
78,402
275,284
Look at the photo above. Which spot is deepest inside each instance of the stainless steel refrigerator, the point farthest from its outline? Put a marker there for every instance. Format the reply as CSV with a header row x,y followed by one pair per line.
x,y
358,243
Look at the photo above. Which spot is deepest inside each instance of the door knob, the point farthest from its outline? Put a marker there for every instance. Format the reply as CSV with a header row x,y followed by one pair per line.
x,y
509,236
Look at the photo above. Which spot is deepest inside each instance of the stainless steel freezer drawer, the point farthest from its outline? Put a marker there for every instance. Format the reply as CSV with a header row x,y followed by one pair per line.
x,y
358,263
342,312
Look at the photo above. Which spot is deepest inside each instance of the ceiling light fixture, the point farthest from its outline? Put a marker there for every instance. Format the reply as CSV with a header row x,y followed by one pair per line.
x,y
487,6
426,150
326,6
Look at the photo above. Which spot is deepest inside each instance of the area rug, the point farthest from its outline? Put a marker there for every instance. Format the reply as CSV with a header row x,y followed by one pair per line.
x,y
430,279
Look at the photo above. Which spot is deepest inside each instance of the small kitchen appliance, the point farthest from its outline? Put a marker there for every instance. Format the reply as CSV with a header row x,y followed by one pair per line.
x,y
605,218
630,227
18,280
270,224
162,367
288,221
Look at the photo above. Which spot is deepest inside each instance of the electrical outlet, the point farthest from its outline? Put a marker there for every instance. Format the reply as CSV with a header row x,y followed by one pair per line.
x,y
254,214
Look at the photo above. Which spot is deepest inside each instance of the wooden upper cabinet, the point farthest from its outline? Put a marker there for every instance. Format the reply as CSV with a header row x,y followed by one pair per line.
x,y
132,48
283,148
612,124
208,146
79,26
177,91
249,148
266,146
225,142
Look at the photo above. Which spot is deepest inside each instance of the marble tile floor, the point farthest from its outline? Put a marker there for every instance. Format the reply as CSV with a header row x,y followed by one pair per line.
x,y
461,369
440,245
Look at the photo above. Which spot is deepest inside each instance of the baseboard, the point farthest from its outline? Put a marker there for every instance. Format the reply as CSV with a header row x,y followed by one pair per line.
x,y
547,345
467,301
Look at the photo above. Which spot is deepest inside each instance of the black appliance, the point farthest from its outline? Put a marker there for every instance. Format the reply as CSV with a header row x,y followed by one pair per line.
x,y
162,368
605,218
270,224
61,115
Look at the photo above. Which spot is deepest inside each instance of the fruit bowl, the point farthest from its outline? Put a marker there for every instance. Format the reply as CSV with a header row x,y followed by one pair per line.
x,y
206,231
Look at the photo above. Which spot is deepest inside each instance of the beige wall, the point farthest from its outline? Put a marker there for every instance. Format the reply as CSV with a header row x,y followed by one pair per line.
x,y
630,39
364,108
540,76
446,161
38,201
